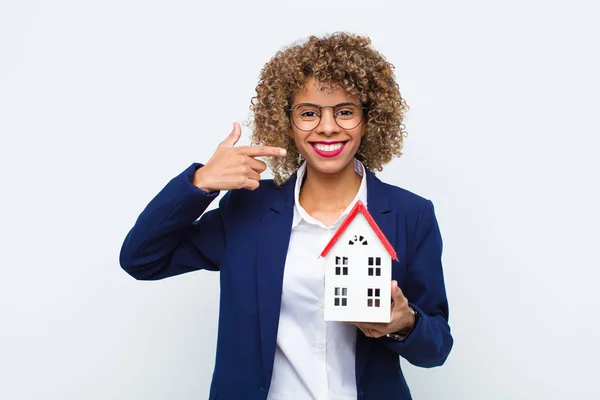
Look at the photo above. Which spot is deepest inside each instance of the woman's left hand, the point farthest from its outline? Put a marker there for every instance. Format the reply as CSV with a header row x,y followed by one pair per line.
x,y
402,319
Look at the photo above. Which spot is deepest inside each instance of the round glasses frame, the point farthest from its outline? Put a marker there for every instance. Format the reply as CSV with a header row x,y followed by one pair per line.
x,y
341,105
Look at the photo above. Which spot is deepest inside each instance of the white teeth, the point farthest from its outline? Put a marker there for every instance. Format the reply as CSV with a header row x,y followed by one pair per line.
x,y
328,147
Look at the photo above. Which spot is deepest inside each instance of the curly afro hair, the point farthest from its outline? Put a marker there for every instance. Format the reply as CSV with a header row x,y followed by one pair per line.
x,y
341,60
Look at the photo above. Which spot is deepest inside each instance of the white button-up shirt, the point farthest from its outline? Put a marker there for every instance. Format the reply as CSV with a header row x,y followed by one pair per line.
x,y
314,359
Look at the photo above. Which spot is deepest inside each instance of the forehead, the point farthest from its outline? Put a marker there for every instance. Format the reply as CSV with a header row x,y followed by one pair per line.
x,y
322,94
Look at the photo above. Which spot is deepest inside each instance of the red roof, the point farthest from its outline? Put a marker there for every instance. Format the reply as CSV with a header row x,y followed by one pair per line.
x,y
359,206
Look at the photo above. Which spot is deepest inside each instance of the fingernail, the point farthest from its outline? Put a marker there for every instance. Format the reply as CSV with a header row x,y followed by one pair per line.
x,y
283,152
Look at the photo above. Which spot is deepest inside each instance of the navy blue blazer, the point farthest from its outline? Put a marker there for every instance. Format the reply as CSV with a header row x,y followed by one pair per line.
x,y
247,238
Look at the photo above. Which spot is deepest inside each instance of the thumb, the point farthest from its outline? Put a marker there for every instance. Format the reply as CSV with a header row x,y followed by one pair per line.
x,y
234,136
397,294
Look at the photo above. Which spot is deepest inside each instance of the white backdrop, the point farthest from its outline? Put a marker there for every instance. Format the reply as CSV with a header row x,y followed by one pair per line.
x,y
101,103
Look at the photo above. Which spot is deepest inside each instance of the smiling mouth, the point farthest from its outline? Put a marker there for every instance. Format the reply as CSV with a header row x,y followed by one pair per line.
x,y
328,149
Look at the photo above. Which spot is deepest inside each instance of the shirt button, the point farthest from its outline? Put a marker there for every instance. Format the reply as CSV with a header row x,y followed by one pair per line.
x,y
320,346
320,305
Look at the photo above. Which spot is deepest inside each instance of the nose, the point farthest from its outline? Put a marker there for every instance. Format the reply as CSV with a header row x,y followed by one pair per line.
x,y
327,124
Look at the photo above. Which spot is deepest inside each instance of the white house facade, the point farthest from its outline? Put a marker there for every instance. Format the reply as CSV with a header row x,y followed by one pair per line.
x,y
358,271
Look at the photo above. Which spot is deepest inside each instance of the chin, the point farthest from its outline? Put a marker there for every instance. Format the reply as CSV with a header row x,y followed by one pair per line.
x,y
329,167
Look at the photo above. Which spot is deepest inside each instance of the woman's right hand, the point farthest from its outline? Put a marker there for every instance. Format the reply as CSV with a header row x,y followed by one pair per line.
x,y
233,167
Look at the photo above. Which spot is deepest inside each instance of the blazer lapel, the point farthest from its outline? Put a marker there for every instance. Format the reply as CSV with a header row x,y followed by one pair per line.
x,y
273,242
378,204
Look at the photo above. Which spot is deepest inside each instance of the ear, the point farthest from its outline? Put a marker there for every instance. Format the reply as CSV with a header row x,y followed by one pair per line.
x,y
364,129
365,123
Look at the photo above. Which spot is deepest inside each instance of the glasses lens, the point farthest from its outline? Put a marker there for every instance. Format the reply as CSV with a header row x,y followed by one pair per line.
x,y
306,117
348,116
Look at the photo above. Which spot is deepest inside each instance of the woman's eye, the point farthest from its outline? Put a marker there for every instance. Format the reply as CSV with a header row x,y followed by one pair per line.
x,y
309,114
345,113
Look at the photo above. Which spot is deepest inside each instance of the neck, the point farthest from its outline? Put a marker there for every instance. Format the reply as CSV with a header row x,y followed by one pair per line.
x,y
329,192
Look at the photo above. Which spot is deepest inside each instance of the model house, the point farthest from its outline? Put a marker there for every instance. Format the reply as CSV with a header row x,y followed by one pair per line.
x,y
358,270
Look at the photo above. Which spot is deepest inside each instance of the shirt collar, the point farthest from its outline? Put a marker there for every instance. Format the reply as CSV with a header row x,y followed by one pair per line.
x,y
300,213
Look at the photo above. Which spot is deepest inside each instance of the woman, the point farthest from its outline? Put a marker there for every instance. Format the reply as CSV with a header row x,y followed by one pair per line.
x,y
327,113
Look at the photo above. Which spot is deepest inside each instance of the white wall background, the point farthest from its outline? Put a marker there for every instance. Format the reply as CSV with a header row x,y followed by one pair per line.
x,y
101,103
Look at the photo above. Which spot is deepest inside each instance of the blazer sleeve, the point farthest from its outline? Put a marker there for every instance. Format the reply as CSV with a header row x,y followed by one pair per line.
x,y
167,239
430,341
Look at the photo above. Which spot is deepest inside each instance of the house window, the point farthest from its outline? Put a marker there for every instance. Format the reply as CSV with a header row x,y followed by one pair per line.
x,y
340,297
341,265
373,297
358,239
375,261
374,266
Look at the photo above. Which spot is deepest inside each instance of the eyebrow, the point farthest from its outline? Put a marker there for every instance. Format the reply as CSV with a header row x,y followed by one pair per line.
x,y
345,103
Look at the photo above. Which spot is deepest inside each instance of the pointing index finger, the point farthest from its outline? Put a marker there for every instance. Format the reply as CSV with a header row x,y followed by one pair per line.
x,y
263,151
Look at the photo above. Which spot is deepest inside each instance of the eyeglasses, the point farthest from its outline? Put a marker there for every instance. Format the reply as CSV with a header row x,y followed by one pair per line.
x,y
307,116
